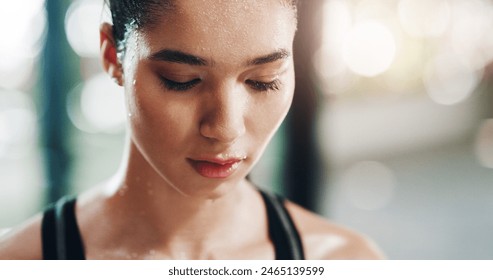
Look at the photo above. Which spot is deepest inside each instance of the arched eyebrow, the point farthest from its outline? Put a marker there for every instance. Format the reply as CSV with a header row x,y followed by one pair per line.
x,y
178,57
277,55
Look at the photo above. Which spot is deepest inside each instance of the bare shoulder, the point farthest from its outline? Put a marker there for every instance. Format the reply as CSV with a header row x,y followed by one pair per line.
x,y
325,240
22,242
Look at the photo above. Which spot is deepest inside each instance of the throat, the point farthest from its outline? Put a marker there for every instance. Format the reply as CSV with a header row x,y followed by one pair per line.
x,y
191,224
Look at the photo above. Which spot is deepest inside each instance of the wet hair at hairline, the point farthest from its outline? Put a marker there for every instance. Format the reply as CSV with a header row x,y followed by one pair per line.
x,y
129,15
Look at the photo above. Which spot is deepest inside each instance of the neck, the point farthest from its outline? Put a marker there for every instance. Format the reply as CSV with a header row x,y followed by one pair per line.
x,y
149,204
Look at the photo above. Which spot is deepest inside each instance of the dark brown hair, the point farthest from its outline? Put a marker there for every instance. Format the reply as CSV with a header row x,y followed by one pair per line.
x,y
129,15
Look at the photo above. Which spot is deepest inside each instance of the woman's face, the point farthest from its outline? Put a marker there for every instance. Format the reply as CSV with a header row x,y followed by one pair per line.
x,y
206,88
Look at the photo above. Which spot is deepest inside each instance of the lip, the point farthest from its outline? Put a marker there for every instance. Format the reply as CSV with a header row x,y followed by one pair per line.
x,y
215,167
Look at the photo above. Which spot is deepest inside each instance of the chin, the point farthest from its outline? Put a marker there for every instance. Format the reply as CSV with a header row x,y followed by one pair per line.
x,y
208,188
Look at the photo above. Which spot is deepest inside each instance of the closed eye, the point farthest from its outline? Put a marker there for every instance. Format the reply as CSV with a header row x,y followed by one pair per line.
x,y
179,86
264,86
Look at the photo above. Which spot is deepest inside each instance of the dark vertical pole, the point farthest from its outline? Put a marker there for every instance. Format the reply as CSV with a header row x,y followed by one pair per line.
x,y
488,91
55,84
303,161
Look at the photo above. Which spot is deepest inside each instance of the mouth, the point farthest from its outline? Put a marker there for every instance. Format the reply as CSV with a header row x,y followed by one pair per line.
x,y
216,168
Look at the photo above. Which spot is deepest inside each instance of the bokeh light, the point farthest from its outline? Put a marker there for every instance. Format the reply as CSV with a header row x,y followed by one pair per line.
x,y
450,79
373,10
470,32
82,24
16,71
18,124
369,48
328,60
399,44
336,23
368,185
98,106
424,18
22,25
405,73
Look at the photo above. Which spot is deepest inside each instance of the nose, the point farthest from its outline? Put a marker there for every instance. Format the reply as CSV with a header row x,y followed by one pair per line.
x,y
224,120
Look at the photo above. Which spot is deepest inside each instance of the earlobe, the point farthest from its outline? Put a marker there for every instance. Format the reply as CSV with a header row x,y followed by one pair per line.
x,y
109,57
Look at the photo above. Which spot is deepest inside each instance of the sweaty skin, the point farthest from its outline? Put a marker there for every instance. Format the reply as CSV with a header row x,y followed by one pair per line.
x,y
206,86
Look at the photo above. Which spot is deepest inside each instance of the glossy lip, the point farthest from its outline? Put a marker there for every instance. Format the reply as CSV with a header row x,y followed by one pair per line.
x,y
217,167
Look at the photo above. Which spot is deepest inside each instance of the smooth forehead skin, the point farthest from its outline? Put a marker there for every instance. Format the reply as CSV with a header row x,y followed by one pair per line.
x,y
223,31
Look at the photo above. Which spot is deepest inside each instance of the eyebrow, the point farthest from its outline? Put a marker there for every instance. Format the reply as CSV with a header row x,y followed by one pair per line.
x,y
277,55
178,57
190,59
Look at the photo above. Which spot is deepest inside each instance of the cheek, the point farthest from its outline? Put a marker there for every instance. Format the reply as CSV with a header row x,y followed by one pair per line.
x,y
156,120
267,115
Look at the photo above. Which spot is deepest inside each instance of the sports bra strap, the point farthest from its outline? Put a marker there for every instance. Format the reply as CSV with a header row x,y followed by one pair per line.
x,y
62,241
60,233
282,231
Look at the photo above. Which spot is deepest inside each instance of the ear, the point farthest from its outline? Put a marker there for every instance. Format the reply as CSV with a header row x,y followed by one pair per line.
x,y
109,59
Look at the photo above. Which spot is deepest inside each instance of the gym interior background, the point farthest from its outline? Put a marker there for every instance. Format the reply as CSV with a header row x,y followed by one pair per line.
x,y
391,130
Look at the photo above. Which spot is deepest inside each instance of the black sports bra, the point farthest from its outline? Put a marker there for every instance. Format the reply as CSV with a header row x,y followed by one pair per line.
x,y
61,237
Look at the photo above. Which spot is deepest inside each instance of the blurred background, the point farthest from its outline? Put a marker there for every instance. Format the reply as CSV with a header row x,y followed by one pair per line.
x,y
391,130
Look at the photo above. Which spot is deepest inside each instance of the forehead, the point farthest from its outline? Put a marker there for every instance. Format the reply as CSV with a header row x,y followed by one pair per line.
x,y
224,28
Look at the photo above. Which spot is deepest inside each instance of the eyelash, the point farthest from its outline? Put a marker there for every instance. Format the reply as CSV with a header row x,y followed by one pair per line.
x,y
263,86
256,85
177,86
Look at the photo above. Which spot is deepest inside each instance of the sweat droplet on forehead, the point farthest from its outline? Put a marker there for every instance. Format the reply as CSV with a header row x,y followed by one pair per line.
x,y
228,16
232,30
